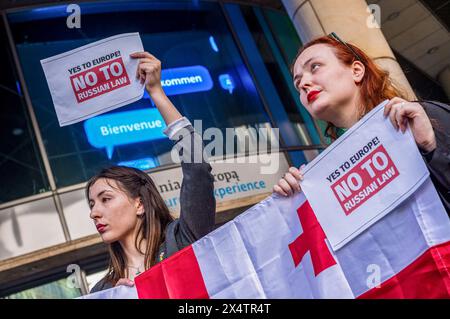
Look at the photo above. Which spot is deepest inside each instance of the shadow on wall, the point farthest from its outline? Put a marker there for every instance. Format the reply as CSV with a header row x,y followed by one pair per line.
x,y
28,227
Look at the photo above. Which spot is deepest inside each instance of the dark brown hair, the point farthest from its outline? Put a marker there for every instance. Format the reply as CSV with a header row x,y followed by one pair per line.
x,y
151,226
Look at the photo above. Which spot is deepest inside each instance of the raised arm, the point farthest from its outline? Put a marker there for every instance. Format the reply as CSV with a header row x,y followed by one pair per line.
x,y
197,200
149,72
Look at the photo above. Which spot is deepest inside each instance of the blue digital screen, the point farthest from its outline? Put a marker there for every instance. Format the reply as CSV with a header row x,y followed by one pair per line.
x,y
226,82
187,79
110,130
142,163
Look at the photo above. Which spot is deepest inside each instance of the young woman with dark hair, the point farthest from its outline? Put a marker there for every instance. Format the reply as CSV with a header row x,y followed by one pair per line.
x,y
127,209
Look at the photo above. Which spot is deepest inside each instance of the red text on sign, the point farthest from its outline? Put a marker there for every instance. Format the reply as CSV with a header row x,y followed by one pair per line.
x,y
99,80
366,179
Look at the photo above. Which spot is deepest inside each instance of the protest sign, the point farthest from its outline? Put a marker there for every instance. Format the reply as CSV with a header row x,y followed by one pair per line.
x,y
362,176
94,78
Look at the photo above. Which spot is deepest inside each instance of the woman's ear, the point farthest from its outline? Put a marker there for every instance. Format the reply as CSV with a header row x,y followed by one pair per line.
x,y
139,207
358,71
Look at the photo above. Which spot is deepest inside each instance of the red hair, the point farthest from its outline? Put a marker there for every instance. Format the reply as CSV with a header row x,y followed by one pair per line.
x,y
376,85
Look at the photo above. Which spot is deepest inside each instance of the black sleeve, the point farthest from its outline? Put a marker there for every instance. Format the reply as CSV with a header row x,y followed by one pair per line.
x,y
438,160
101,285
197,202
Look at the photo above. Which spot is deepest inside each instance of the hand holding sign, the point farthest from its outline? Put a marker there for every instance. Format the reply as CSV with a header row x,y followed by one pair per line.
x,y
362,176
401,113
148,71
289,184
94,79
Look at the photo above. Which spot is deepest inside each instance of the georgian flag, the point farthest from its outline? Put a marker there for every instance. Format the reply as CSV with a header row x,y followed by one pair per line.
x,y
397,245
277,249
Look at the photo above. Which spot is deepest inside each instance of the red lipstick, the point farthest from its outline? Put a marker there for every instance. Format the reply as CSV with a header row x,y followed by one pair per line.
x,y
100,228
312,95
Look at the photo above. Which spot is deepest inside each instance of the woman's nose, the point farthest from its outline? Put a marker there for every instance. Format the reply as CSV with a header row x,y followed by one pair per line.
x,y
305,83
95,213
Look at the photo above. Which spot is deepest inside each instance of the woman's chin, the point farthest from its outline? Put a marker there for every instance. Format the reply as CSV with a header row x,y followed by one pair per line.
x,y
107,239
318,110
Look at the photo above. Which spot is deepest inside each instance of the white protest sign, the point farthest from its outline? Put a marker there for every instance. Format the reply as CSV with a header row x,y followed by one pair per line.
x,y
362,176
94,78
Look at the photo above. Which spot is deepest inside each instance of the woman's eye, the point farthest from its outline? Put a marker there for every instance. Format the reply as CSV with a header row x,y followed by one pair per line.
x,y
313,66
105,199
297,86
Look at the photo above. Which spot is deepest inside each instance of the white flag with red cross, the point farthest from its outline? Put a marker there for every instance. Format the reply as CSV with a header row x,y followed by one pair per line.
x,y
391,241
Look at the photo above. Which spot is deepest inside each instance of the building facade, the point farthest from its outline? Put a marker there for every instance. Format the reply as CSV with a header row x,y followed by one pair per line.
x,y
49,247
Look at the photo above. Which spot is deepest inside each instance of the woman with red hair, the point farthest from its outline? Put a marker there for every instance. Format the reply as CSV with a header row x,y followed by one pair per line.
x,y
339,83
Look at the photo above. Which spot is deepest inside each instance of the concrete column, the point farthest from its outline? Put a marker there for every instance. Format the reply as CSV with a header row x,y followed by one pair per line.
x,y
444,80
351,20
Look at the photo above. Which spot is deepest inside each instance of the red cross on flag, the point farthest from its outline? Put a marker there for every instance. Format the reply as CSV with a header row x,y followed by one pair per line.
x,y
312,239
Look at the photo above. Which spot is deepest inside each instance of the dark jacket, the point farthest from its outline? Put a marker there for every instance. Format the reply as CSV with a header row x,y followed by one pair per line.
x,y
438,161
197,201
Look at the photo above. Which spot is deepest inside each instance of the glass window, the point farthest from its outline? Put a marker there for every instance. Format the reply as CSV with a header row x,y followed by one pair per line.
x,y
94,278
180,35
59,289
20,163
277,42
22,231
76,212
